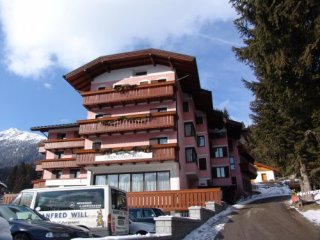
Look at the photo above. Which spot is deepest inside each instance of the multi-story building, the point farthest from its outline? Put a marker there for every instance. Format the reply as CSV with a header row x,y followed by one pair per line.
x,y
149,127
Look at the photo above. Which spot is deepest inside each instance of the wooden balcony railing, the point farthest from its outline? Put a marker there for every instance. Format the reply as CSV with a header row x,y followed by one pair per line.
x,y
59,163
249,169
139,93
39,183
174,200
39,166
64,143
130,123
160,152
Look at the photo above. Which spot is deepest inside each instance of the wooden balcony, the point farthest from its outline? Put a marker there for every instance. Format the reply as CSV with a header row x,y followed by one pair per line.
x,y
39,183
59,163
249,169
174,200
128,94
160,152
130,123
64,143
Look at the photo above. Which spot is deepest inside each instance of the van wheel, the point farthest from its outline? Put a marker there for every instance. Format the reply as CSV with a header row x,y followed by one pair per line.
x,y
142,232
21,236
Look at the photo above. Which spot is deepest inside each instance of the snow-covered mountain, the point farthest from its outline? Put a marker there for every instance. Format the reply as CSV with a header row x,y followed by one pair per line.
x,y
18,146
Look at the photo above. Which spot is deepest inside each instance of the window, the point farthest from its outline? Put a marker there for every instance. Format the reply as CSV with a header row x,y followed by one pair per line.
x,y
150,181
234,180
220,172
101,88
199,120
202,163
74,173
56,174
200,141
96,145
161,109
230,145
141,73
59,154
136,182
61,135
232,163
162,80
163,181
189,129
219,152
191,155
70,200
185,107
143,82
102,115
160,140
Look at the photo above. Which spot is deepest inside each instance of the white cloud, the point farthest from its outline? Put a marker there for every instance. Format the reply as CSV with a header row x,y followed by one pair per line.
x,y
47,85
40,34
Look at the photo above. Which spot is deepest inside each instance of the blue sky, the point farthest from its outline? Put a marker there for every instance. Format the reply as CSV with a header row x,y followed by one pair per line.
x,y
41,40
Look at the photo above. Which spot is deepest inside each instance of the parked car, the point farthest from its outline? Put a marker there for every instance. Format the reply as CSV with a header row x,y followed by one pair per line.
x,y
145,214
27,224
139,227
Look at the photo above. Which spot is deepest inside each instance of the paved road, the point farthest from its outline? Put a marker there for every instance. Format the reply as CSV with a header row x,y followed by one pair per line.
x,y
268,219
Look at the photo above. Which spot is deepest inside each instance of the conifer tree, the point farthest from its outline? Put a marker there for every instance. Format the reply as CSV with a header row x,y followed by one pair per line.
x,y
282,46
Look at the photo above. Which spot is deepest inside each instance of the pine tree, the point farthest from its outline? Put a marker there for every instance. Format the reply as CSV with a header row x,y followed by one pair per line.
x,y
282,46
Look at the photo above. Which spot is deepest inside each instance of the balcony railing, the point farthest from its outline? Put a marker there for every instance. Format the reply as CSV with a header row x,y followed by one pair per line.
x,y
174,200
249,169
161,152
59,163
128,123
125,95
64,143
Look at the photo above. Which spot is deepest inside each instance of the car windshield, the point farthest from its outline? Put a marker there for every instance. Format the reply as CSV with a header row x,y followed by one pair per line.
x,y
19,213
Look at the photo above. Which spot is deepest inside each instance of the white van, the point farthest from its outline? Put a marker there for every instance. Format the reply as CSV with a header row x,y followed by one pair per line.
x,y
102,209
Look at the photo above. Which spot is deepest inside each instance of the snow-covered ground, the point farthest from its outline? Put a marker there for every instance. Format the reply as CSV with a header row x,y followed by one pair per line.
x,y
312,215
214,225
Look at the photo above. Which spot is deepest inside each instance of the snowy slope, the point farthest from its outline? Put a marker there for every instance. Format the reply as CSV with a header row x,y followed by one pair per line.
x,y
18,146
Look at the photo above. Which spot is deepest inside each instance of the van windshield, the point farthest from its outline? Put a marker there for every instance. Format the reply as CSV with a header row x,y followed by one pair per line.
x,y
70,200
119,199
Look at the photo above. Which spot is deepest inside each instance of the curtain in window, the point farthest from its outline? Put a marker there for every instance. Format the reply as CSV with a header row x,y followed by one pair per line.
x,y
150,181
101,180
124,182
163,181
113,180
137,182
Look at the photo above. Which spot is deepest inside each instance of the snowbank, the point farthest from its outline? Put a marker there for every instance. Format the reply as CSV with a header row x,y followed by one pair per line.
x,y
312,215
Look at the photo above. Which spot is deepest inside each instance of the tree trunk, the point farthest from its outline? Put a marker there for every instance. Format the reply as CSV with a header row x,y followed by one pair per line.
x,y
305,183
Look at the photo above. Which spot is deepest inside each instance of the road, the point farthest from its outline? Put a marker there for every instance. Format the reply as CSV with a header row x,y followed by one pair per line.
x,y
268,219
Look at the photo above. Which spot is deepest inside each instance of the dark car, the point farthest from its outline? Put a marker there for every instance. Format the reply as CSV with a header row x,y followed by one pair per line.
x,y
145,214
27,224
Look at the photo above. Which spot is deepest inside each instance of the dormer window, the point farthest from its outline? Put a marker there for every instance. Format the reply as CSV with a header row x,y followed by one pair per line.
x,y
96,145
61,135
140,73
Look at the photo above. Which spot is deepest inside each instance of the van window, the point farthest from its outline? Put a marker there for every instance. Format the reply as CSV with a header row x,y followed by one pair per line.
x,y
26,199
119,200
70,200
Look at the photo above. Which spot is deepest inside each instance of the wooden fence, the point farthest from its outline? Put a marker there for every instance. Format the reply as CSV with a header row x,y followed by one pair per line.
x,y
174,200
